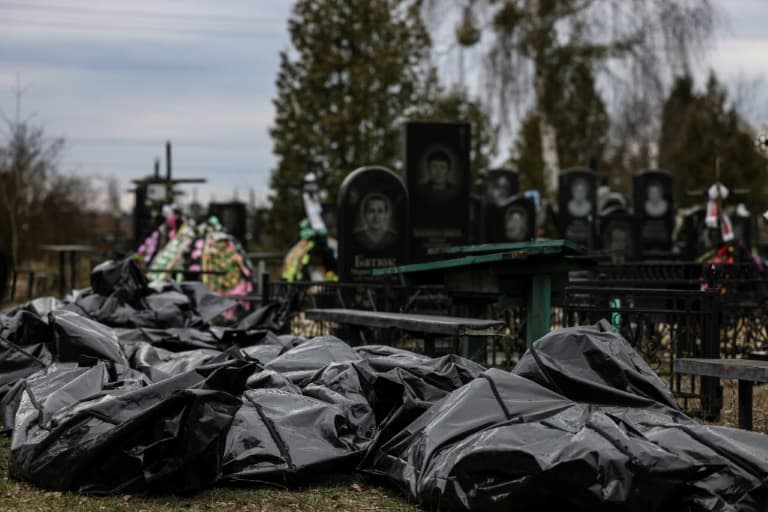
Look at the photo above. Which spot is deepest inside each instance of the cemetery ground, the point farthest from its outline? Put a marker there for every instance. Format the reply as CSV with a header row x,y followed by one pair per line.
x,y
340,492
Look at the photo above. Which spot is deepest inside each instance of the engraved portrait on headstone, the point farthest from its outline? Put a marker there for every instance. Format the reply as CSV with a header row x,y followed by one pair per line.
x,y
577,200
374,229
438,180
373,222
500,185
512,221
655,204
516,224
436,165
579,204
616,231
654,209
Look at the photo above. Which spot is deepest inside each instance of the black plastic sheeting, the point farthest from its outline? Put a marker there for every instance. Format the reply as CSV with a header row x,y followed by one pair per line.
x,y
126,387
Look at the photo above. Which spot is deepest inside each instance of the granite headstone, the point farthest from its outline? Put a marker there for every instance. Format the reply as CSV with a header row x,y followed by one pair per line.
x,y
616,228
232,217
577,205
513,220
373,213
654,208
501,184
437,173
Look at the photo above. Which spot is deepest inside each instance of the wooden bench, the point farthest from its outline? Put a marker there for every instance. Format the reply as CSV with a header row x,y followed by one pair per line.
x,y
471,331
746,371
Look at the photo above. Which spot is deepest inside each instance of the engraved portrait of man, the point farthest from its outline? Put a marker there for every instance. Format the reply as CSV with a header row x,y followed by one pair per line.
x,y
516,224
499,189
438,180
374,229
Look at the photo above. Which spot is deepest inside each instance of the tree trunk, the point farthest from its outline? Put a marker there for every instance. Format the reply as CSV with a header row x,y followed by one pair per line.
x,y
547,130
549,153
12,217
14,239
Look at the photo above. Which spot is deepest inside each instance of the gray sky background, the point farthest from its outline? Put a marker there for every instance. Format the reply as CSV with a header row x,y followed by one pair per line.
x,y
116,79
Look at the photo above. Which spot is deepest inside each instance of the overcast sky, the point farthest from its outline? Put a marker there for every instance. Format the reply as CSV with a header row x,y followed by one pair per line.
x,y
116,79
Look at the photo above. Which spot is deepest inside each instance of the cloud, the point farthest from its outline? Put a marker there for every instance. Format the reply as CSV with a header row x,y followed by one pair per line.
x,y
116,95
117,92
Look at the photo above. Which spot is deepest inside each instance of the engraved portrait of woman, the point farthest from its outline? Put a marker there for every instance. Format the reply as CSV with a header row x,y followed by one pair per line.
x,y
516,224
655,204
579,204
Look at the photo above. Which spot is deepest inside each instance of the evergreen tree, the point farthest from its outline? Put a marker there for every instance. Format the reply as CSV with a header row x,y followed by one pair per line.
x,y
351,77
699,127
581,117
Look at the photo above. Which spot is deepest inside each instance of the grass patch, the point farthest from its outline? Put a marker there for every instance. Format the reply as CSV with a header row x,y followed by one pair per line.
x,y
343,492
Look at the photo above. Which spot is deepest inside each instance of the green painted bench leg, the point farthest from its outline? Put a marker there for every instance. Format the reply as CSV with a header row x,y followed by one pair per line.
x,y
539,307
473,348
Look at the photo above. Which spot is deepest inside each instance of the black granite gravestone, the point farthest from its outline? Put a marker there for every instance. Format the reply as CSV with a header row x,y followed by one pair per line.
x,y
513,220
373,222
654,208
500,185
436,158
577,205
616,228
232,217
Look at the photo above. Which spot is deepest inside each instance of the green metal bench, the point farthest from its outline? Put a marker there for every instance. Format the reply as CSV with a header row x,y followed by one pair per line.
x,y
468,330
531,273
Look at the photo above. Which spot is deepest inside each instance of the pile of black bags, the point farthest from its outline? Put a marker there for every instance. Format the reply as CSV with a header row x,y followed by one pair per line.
x,y
126,387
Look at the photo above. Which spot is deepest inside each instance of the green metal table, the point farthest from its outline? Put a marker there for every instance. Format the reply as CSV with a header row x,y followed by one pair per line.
x,y
534,273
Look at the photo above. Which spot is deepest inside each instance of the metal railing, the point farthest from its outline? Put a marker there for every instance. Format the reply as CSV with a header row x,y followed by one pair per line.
x,y
661,325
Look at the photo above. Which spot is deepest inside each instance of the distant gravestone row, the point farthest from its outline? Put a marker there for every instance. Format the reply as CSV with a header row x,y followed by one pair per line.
x,y
386,221
610,224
